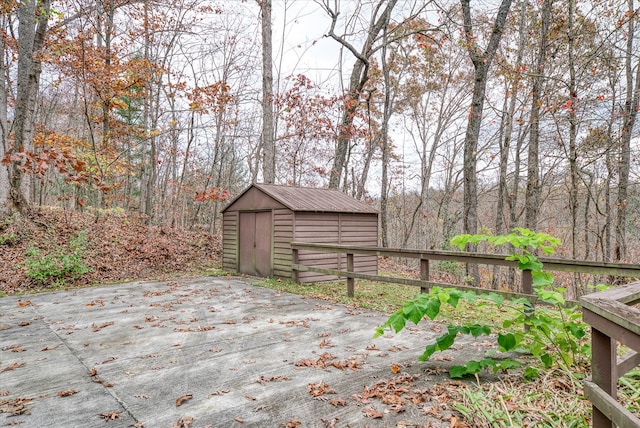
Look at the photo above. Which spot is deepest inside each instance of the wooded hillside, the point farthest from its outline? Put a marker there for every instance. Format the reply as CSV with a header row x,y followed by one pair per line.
x,y
449,117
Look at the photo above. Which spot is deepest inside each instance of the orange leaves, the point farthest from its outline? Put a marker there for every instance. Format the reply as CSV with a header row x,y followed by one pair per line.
x,y
319,389
212,194
110,416
210,99
67,392
181,400
328,360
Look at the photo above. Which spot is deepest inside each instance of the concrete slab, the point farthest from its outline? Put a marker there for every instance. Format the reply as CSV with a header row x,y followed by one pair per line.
x,y
209,352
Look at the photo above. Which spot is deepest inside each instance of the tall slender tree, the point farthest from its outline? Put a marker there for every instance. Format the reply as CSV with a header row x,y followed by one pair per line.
x,y
481,59
31,34
268,142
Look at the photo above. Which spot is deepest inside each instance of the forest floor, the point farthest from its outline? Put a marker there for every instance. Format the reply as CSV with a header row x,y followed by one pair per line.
x,y
50,247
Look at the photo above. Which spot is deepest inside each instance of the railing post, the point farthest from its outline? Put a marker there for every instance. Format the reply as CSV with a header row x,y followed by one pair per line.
x,y
424,274
603,372
350,281
295,260
527,288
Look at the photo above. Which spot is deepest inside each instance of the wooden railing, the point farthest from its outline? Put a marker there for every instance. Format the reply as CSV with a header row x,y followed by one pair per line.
x,y
613,321
610,313
425,256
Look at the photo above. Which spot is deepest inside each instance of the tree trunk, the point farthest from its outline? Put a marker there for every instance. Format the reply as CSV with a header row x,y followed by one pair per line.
x,y
4,125
357,80
481,63
573,136
268,143
624,157
31,33
532,196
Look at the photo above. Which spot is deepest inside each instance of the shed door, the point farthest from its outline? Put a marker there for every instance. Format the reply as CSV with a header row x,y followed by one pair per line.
x,y
255,243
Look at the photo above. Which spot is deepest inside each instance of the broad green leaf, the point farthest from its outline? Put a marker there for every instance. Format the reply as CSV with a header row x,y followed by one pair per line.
x,y
397,322
478,330
507,364
453,299
473,367
507,341
445,341
429,350
433,308
576,330
457,372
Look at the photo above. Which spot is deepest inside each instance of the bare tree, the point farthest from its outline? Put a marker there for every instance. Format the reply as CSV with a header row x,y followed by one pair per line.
x,y
630,112
31,33
268,142
532,197
359,76
481,60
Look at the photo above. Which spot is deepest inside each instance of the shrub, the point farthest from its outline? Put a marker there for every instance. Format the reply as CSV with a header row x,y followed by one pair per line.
x,y
61,264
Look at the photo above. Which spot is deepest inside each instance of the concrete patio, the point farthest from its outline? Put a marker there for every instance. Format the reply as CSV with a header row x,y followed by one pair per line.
x,y
212,352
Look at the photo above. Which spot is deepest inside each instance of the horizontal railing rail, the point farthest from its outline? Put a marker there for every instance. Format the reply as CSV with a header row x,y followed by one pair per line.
x,y
614,321
425,256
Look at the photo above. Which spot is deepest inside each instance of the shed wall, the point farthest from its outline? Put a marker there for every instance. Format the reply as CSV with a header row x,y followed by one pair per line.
x,y
335,228
230,241
282,237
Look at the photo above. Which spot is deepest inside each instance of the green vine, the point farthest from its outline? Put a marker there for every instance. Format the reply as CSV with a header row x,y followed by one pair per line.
x,y
552,334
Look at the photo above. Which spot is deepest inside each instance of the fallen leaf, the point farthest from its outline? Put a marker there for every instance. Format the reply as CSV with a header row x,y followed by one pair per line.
x,y
96,327
442,358
219,392
14,348
330,423
49,348
326,344
24,323
263,379
318,389
110,416
181,400
15,407
93,372
338,402
372,413
22,304
67,392
12,366
183,422
240,420
250,398
373,347
395,369
294,424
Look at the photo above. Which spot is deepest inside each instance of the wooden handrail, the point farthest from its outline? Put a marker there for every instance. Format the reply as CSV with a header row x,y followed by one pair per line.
x,y
551,264
613,320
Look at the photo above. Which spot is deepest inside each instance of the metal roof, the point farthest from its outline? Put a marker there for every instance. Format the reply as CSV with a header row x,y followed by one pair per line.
x,y
311,199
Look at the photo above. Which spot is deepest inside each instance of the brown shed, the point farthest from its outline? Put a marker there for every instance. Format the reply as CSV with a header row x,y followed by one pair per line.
x,y
260,224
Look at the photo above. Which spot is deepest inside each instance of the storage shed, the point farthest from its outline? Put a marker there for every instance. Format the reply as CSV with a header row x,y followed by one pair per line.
x,y
260,224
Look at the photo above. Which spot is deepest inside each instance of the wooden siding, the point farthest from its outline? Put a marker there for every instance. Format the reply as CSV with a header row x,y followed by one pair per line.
x,y
230,241
282,237
336,228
